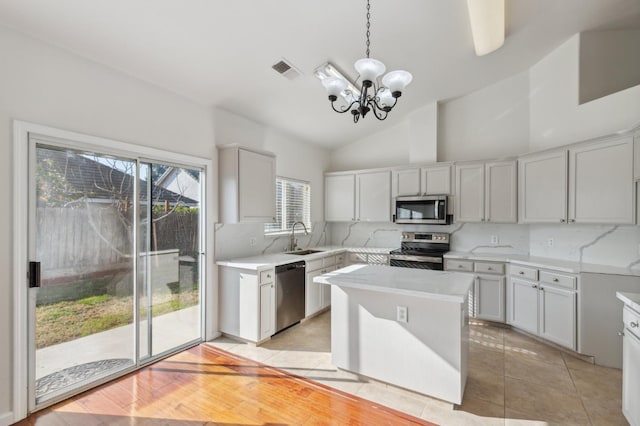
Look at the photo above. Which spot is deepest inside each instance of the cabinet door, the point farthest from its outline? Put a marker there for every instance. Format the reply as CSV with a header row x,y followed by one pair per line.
x,y
631,378
267,310
523,300
601,186
470,193
501,192
542,188
558,316
373,195
326,291
340,198
636,155
313,293
406,182
256,187
489,298
436,180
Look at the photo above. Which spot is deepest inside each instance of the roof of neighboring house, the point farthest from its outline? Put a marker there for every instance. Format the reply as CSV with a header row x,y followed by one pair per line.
x,y
79,176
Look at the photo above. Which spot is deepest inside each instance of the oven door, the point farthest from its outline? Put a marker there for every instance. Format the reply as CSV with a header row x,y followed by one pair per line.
x,y
420,262
421,210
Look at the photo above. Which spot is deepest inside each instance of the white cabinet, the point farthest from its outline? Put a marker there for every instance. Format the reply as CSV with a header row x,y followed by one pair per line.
x,y
636,155
601,186
340,198
405,182
489,297
247,185
588,183
631,366
436,180
373,196
486,192
247,306
318,296
546,307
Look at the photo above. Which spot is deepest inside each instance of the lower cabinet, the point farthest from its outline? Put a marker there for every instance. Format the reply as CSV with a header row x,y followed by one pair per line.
x,y
247,303
546,306
631,366
489,298
318,296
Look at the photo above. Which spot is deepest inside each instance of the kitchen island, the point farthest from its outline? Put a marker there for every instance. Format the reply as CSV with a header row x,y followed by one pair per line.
x,y
403,326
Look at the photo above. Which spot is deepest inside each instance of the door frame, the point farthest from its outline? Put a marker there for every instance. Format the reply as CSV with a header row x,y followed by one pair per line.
x,y
20,236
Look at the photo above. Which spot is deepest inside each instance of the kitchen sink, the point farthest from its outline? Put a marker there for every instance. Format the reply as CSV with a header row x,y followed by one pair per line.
x,y
303,252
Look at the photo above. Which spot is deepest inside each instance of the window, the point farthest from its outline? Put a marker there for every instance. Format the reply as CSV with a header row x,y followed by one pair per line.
x,y
293,204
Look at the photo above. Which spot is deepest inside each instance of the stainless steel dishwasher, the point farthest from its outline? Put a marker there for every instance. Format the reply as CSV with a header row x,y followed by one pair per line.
x,y
290,294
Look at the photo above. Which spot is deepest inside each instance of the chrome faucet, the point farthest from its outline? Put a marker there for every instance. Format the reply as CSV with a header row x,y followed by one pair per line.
x,y
293,244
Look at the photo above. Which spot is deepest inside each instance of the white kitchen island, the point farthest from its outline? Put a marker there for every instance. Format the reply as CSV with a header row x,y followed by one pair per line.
x,y
427,353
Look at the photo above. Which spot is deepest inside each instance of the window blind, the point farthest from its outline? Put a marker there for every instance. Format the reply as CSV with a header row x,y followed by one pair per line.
x,y
293,204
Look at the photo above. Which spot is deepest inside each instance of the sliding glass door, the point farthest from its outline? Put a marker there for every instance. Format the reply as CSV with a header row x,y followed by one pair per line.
x,y
116,245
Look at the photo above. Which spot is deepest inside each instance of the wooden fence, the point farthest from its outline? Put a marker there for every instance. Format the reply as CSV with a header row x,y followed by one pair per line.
x,y
77,242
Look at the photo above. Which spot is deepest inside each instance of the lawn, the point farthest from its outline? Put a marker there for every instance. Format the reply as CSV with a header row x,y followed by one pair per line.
x,y
68,320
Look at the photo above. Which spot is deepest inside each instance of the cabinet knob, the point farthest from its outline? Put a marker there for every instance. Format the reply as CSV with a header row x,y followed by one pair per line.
x,y
621,333
489,268
271,285
488,219
572,220
268,275
534,286
521,272
460,266
555,280
634,324
562,220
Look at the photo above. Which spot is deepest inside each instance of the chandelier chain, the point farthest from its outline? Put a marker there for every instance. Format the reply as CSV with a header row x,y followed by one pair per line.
x,y
368,25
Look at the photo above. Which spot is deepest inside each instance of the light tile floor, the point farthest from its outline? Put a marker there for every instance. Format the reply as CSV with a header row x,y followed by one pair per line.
x,y
512,380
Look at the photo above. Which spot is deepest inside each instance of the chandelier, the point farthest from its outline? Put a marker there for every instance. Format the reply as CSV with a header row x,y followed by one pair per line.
x,y
371,96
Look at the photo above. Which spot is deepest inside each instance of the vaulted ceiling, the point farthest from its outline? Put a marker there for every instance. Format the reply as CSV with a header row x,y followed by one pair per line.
x,y
219,53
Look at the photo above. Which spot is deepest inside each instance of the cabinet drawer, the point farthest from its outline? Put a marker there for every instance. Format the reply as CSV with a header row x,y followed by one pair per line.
x,y
312,265
558,280
631,320
458,265
489,268
523,272
328,261
340,258
266,276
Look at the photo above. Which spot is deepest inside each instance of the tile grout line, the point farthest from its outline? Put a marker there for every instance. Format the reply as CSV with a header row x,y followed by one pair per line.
x,y
564,361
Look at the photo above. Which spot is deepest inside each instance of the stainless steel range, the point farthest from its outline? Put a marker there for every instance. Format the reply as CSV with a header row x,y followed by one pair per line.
x,y
423,250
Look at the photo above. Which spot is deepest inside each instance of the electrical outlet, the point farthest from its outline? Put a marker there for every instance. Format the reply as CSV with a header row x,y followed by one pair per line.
x,y
252,241
550,242
402,314
494,239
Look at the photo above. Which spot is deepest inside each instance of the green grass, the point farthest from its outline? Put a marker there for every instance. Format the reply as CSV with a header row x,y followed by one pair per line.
x,y
68,320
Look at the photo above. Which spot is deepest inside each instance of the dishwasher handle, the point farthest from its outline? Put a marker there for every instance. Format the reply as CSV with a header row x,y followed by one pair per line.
x,y
289,267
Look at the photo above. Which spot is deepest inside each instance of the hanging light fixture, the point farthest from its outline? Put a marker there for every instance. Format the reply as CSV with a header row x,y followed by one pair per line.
x,y
371,96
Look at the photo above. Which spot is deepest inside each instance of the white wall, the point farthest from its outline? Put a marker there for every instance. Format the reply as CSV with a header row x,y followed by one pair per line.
x,y
46,85
490,123
294,159
556,118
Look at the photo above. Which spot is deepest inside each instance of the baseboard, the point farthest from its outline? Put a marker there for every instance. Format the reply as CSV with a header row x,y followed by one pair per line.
x,y
6,419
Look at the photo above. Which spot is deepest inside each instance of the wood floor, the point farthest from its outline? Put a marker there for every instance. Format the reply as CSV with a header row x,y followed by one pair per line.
x,y
205,385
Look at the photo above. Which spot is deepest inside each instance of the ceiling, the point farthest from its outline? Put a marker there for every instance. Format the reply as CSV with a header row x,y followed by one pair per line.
x,y
219,53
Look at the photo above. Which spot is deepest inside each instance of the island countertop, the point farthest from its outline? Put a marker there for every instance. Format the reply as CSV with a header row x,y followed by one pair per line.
x,y
437,285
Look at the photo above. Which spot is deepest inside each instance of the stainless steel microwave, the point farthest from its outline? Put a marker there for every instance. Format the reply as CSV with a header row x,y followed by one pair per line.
x,y
428,209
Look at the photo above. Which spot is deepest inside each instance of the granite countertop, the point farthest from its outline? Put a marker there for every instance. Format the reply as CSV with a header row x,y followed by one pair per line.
x,y
438,285
545,262
267,261
631,299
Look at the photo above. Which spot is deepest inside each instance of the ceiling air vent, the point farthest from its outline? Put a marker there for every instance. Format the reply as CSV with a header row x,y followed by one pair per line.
x,y
284,68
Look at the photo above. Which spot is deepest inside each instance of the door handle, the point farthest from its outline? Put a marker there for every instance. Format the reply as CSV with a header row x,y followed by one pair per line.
x,y
34,274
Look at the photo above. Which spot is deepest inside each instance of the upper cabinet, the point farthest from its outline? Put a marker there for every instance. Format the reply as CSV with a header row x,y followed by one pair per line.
x,y
373,195
340,198
247,185
362,196
426,180
486,192
588,183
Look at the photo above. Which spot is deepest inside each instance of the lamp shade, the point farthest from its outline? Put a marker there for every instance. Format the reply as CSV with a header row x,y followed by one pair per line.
x,y
369,69
487,24
396,81
386,99
334,85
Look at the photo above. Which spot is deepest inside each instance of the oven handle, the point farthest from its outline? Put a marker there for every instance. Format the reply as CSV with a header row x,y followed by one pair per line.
x,y
422,259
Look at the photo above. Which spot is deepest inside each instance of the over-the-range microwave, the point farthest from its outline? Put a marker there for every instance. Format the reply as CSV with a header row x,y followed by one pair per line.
x,y
421,210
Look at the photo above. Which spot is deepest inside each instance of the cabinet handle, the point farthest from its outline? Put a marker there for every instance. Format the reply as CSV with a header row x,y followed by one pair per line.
x,y
489,219
634,324
460,266
541,288
555,280
534,286
271,285
572,220
489,268
521,272
562,220
268,275
621,333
